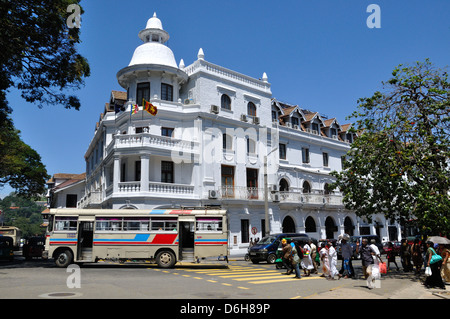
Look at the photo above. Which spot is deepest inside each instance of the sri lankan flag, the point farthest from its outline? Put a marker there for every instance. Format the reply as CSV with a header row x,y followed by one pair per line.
x,y
134,109
149,107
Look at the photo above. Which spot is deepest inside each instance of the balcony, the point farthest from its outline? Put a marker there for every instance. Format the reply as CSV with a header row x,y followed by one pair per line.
x,y
312,199
163,143
243,193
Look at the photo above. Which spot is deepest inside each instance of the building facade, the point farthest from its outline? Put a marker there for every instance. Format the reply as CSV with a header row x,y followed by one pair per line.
x,y
214,132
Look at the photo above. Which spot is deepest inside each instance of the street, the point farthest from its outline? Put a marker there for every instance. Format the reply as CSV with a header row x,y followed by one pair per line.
x,y
37,279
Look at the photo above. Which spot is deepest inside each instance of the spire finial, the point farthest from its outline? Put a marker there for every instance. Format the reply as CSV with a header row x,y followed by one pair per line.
x,y
154,15
264,77
181,66
201,55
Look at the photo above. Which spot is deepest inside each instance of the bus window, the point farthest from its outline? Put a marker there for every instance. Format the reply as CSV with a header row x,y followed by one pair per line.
x,y
66,223
164,223
109,224
136,224
209,224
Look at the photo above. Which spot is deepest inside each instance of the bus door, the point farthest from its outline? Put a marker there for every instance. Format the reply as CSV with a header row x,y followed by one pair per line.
x,y
186,237
85,238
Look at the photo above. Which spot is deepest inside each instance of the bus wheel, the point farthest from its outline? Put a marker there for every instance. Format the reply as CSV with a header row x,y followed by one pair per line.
x,y
165,259
64,258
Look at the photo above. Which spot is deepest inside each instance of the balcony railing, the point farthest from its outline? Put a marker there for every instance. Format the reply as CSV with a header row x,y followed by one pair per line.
x,y
232,192
150,140
305,198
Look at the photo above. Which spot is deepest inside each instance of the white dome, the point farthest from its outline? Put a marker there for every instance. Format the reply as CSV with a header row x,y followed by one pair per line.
x,y
153,53
154,23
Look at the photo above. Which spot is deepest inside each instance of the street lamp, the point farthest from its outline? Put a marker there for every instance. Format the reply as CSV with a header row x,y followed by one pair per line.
x,y
266,195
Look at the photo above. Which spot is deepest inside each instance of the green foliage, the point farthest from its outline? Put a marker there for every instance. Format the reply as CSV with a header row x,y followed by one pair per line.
x,y
23,213
399,165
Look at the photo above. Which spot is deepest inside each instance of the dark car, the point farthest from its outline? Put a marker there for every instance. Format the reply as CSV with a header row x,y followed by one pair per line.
x,y
6,248
395,245
266,248
355,239
33,247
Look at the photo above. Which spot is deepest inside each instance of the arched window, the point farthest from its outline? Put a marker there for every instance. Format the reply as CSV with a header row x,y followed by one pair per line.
x,y
227,141
251,109
348,226
225,102
251,146
284,185
288,225
310,225
327,189
306,187
330,227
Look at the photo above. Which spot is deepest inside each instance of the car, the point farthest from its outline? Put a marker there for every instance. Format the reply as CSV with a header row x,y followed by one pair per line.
x,y
33,247
395,245
359,238
266,248
6,248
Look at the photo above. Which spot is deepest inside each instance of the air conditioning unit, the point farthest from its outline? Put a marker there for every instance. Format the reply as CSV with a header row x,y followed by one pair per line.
x,y
244,117
276,197
214,109
296,127
274,188
256,120
212,194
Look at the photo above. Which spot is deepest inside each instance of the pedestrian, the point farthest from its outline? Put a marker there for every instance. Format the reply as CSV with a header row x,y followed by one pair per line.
x,y
445,269
366,253
306,263
313,255
405,255
435,280
416,256
286,256
347,253
376,261
390,252
295,260
332,256
325,261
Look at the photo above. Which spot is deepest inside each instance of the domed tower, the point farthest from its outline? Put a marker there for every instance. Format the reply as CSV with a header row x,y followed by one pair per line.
x,y
153,73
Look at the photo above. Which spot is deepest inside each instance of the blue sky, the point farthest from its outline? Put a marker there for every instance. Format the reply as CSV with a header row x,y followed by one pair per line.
x,y
318,54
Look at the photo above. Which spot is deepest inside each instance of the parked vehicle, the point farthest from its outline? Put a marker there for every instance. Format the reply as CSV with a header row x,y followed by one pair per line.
x,y
266,248
6,248
355,239
33,247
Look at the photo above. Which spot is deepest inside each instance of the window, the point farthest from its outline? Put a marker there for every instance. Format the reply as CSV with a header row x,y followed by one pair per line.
x,y
282,148
143,129
136,224
274,116
343,159
209,224
305,155
166,92
251,109
123,173
227,181
225,102
284,185
251,146
71,200
142,92
137,171
167,131
109,223
325,159
167,172
66,223
306,187
252,183
245,230
164,223
227,142
315,127
310,225
294,121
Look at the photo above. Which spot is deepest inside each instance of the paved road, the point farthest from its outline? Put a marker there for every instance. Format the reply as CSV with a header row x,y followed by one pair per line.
x,y
237,280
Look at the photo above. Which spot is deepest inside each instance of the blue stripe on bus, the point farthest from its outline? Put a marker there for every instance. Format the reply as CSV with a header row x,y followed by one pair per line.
x,y
138,237
157,211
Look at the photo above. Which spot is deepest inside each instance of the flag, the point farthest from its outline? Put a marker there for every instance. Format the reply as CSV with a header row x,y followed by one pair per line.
x,y
149,107
134,109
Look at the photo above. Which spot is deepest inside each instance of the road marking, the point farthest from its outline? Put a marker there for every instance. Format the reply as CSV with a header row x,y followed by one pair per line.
x,y
225,284
243,288
212,280
198,277
296,297
280,280
247,275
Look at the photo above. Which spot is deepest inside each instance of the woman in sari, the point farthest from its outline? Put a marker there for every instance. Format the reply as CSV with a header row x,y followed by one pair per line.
x,y
445,268
332,259
307,263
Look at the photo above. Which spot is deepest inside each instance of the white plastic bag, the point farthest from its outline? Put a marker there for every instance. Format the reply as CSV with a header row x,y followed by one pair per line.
x,y
428,271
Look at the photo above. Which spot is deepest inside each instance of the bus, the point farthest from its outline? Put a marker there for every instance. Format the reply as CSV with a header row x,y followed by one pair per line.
x,y
161,236
13,232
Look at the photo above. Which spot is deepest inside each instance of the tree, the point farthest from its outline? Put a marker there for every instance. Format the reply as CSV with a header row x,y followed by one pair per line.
x,y
399,164
38,57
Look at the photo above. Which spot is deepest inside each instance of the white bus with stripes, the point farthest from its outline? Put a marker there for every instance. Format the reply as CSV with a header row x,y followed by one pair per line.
x,y
162,236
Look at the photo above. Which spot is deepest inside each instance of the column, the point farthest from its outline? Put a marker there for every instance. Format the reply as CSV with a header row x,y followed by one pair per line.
x,y
116,178
145,164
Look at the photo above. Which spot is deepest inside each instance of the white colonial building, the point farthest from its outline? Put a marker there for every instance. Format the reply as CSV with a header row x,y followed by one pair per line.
x,y
207,146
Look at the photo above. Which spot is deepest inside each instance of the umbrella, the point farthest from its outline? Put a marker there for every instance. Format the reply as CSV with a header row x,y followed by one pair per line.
x,y
439,240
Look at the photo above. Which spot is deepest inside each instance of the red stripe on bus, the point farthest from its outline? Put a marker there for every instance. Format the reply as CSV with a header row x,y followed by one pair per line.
x,y
164,239
180,212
